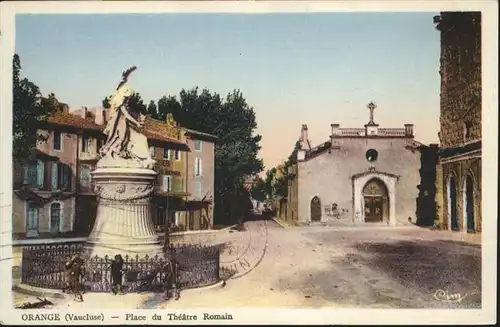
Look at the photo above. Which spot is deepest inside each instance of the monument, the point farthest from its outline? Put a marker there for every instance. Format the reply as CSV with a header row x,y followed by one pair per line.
x,y
124,182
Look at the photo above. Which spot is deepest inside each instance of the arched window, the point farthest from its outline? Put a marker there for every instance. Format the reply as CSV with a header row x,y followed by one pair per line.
x,y
55,217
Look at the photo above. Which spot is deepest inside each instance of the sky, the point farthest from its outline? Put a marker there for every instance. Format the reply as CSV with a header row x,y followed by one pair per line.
x,y
293,69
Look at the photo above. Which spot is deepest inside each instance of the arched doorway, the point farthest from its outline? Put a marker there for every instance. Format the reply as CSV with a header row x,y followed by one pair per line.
x,y
452,204
315,209
376,199
469,203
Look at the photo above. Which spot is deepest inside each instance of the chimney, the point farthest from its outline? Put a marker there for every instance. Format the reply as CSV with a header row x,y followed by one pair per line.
x,y
304,137
409,130
335,129
64,108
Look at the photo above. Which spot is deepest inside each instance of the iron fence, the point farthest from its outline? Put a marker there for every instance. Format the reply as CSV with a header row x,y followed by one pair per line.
x,y
183,266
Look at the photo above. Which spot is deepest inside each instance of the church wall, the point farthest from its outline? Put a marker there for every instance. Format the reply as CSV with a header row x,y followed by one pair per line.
x,y
329,176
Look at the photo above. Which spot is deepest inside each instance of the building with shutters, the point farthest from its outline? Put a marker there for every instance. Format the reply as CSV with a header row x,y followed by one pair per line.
x,y
368,175
459,169
54,192
48,187
200,180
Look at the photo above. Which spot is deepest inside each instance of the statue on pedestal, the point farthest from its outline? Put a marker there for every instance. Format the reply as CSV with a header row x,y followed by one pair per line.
x,y
126,146
124,183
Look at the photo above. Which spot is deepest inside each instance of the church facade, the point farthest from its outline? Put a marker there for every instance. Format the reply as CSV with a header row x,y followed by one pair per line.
x,y
366,175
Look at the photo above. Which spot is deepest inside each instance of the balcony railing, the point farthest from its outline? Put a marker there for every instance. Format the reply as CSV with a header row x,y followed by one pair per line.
x,y
391,132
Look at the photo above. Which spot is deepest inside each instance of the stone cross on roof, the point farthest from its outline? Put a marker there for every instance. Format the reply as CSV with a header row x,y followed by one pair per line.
x,y
372,107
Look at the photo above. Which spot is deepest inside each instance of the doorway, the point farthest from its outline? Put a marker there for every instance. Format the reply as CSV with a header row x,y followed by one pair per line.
x,y
469,204
32,214
452,198
315,209
376,202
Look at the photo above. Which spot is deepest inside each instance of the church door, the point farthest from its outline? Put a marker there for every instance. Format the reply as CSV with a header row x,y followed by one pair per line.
x,y
315,209
376,201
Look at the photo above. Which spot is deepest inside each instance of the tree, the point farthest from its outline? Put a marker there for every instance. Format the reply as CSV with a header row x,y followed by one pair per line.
x,y
236,148
151,110
258,190
106,102
28,112
170,105
136,104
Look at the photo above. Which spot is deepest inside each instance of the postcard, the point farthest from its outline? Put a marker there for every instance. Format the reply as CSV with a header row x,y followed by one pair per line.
x,y
249,162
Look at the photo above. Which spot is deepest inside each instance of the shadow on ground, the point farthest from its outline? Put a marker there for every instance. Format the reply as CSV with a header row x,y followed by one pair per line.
x,y
399,274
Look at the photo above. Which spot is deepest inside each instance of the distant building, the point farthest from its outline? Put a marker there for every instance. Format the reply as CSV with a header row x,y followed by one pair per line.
x,y
200,178
459,169
362,175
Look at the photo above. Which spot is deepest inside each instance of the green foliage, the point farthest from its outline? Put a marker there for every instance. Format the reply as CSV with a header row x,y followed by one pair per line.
x,y
258,190
169,105
106,102
151,110
136,104
28,112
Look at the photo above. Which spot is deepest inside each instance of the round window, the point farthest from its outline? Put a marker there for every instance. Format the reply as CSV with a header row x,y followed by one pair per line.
x,y
371,155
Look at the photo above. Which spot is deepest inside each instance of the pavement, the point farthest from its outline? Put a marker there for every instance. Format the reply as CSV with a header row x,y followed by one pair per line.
x,y
344,267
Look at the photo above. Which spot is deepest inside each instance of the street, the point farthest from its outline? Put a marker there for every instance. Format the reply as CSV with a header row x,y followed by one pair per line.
x,y
361,267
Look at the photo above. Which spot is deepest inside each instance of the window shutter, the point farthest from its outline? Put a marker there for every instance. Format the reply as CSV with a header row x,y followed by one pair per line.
x,y
40,173
165,183
26,168
201,167
196,166
65,177
55,175
177,185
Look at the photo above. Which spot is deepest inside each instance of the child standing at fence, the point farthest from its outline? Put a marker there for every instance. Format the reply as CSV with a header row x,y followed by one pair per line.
x,y
73,271
117,274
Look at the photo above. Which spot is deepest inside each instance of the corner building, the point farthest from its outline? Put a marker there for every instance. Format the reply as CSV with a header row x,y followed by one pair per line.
x,y
459,169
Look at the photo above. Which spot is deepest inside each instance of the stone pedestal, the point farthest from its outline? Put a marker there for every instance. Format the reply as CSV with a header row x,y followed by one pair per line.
x,y
124,222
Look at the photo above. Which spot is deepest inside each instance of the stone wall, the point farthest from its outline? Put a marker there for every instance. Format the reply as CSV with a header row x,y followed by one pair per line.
x,y
460,118
460,77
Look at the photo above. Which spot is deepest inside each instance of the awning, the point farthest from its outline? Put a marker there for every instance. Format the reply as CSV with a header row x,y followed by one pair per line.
x,y
39,154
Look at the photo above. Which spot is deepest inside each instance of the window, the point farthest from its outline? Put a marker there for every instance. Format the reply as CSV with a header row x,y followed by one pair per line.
x,y
167,183
61,177
197,190
166,153
55,217
34,174
371,155
197,167
177,216
104,118
85,144
57,140
177,155
197,145
99,144
152,151
85,176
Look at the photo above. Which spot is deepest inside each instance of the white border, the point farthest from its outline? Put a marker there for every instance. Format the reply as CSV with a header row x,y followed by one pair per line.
x,y
273,316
